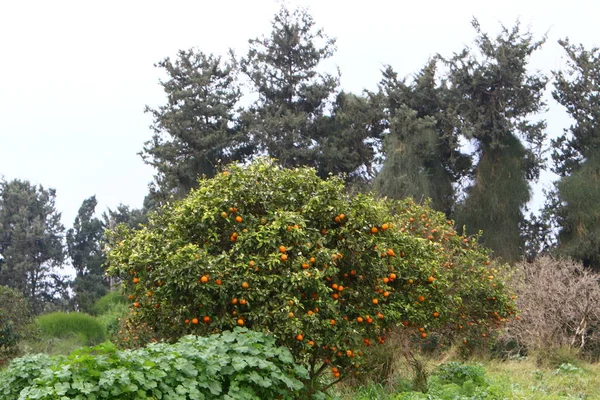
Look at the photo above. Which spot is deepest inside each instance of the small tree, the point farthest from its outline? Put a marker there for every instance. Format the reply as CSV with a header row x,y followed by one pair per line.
x,y
287,253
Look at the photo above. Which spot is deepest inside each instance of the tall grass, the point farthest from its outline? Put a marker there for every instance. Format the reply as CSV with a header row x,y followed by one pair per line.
x,y
64,325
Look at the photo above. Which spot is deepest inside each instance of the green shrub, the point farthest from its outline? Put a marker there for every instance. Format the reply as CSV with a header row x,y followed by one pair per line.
x,y
235,365
62,325
459,373
108,302
14,317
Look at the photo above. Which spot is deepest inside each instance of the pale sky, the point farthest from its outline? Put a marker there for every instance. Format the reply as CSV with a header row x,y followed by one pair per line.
x,y
75,75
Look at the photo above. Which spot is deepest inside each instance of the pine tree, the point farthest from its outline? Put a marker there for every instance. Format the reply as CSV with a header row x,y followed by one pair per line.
x,y
85,251
348,138
197,129
31,242
292,95
577,156
422,155
496,99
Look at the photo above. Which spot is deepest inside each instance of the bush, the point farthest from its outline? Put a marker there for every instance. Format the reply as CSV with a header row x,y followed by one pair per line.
x,y
62,325
287,253
14,317
558,299
108,302
234,365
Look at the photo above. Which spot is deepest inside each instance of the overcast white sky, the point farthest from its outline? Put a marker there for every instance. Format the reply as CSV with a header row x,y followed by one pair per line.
x,y
75,75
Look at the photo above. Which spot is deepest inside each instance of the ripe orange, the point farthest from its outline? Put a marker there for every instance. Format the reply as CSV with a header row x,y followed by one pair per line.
x,y
342,216
218,282
206,319
252,263
421,329
385,227
430,279
195,321
334,286
234,300
393,276
423,335
374,229
312,260
225,173
187,321
386,294
204,279
340,288
136,280
299,337
238,219
390,252
421,298
245,285
335,296
311,343
332,321
240,322
304,266
359,319
375,301
284,257
282,249
136,304
242,302
436,314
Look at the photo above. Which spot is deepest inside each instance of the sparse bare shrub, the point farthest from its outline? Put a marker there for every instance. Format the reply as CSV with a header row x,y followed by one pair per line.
x,y
559,303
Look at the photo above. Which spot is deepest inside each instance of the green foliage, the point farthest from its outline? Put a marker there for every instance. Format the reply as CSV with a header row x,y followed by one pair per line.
x,y
459,373
577,156
495,98
422,156
197,128
110,310
287,253
234,365
14,318
62,325
292,94
31,242
108,302
347,139
84,250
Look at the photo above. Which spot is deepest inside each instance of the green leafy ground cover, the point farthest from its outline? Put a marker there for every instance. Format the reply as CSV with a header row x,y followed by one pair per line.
x,y
233,365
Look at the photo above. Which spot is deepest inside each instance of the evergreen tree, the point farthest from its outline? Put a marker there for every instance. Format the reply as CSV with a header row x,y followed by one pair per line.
x,y
495,98
348,139
577,156
422,155
292,95
84,250
197,129
31,242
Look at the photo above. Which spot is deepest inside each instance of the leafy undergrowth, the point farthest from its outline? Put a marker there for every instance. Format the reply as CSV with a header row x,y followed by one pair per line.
x,y
492,381
234,365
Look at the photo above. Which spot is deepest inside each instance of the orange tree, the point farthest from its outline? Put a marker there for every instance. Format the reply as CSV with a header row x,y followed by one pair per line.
x,y
285,252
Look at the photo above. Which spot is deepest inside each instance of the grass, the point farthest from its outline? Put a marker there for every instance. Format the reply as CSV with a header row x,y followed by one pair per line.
x,y
514,379
65,325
